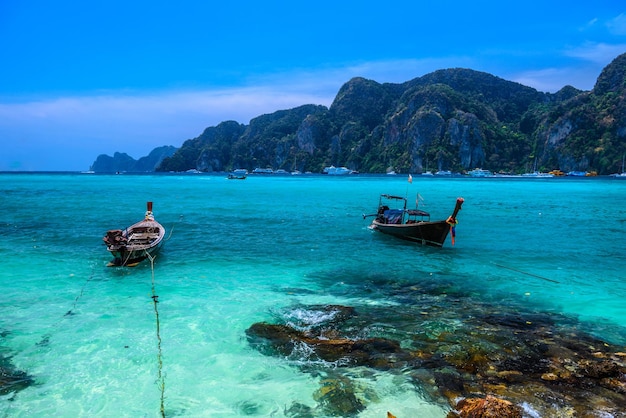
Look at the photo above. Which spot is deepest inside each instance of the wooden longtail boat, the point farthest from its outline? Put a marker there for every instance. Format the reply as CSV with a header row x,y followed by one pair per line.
x,y
393,218
137,242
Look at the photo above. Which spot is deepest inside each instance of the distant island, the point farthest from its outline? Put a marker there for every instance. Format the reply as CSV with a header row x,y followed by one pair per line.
x,y
452,119
122,162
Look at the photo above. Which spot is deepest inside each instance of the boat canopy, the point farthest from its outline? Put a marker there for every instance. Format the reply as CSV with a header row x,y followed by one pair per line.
x,y
393,216
417,212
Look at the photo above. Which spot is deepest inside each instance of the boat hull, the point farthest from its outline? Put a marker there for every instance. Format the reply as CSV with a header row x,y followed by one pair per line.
x,y
124,257
133,245
433,234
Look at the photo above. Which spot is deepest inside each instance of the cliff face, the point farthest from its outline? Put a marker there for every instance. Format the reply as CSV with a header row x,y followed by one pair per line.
x,y
588,131
454,119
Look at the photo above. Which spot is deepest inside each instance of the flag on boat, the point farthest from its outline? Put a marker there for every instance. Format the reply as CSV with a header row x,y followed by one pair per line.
x,y
453,223
410,178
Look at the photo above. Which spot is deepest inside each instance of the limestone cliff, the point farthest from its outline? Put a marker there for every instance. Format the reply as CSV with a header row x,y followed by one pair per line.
x,y
453,119
122,162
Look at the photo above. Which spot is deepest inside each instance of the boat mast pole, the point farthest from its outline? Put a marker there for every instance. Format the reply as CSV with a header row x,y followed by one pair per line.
x,y
409,181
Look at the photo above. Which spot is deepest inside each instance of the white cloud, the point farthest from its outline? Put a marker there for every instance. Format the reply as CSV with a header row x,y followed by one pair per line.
x,y
553,79
599,53
399,71
137,122
617,25
68,133
590,24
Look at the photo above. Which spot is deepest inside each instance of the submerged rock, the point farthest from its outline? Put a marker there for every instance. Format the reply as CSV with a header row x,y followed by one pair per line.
x,y
298,410
337,398
282,339
453,347
12,380
488,407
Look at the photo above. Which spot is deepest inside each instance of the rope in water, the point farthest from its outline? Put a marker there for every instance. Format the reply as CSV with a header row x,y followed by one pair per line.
x,y
526,273
172,228
160,375
82,290
46,337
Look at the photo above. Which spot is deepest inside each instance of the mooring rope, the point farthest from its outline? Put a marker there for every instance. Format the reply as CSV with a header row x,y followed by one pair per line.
x,y
172,228
82,290
526,273
46,337
160,375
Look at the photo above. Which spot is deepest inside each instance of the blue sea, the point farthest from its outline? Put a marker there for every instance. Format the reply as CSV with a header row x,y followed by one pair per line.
x,y
93,343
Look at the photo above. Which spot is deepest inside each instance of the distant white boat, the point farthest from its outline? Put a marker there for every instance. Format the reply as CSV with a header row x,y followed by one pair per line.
x,y
427,173
281,171
337,171
505,175
238,174
479,172
263,171
621,175
443,173
391,173
537,174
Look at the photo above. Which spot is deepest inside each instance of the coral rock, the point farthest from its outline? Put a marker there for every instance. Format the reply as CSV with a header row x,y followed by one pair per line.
x,y
489,407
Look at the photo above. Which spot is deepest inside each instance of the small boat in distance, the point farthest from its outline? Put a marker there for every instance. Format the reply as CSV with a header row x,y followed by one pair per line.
x,y
238,174
577,173
337,171
137,242
537,174
259,170
479,172
622,174
557,173
393,218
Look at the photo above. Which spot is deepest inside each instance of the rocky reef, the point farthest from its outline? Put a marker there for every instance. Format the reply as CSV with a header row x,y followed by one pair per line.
x,y
476,358
12,380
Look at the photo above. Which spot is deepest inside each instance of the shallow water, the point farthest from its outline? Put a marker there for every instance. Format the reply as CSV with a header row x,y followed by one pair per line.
x,y
242,252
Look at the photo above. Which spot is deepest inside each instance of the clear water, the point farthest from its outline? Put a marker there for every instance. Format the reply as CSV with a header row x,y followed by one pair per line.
x,y
242,252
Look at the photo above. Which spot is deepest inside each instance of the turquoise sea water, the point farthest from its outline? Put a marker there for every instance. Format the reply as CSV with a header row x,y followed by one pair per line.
x,y
242,252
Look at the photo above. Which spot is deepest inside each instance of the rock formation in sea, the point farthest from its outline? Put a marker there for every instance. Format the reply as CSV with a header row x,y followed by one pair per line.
x,y
11,379
122,162
476,358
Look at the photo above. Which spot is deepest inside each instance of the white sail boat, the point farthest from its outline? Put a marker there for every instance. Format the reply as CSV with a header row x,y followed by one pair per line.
x,y
621,175
536,173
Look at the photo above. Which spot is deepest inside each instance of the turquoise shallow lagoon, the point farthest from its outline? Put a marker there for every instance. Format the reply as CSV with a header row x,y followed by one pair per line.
x,y
243,252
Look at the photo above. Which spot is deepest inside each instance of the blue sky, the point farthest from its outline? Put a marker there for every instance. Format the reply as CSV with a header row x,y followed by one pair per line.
x,y
79,79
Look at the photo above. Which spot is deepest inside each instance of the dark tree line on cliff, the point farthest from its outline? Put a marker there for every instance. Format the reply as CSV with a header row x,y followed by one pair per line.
x,y
454,119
